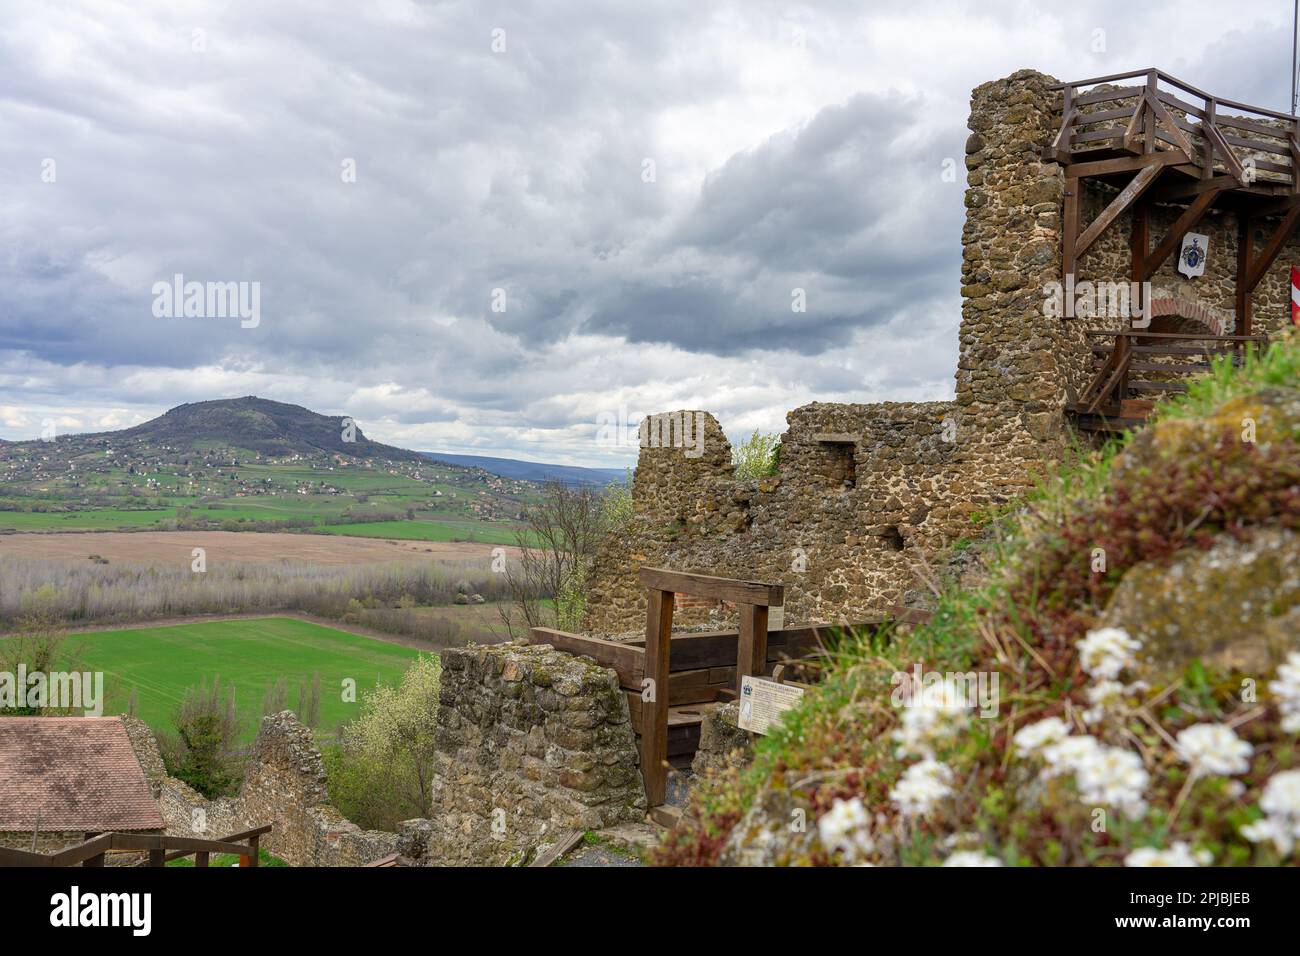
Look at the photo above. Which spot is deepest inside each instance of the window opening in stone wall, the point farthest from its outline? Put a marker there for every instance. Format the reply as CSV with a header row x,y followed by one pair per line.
x,y
842,469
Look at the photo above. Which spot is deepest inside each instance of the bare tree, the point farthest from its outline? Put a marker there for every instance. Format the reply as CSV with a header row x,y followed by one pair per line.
x,y
556,544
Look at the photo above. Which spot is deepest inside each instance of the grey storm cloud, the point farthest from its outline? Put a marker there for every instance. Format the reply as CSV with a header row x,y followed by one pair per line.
x,y
211,140
816,210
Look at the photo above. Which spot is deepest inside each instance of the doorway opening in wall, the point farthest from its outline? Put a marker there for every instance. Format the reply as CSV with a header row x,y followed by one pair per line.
x,y
841,452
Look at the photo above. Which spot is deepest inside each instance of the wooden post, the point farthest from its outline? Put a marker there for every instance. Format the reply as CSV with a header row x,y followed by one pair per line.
x,y
1148,114
158,857
1124,348
1211,107
1139,249
751,654
1245,248
654,722
96,860
1295,157
201,858
254,844
1069,228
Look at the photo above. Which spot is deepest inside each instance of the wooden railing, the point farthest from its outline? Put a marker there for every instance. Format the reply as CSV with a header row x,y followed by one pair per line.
x,y
160,849
1161,113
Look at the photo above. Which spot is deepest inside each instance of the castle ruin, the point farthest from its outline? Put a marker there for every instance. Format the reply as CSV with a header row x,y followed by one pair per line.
x,y
1068,185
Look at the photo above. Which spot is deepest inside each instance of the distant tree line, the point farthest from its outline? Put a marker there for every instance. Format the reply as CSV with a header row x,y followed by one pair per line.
x,y
393,598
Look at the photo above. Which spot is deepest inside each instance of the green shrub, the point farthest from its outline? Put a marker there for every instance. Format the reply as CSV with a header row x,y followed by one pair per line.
x,y
757,456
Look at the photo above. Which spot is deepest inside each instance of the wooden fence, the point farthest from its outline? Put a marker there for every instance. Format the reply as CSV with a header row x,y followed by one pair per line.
x,y
160,849
697,669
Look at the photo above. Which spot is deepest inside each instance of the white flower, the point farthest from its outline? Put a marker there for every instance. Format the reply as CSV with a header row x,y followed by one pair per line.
x,y
1282,795
1106,652
1270,829
1286,688
922,786
1180,854
971,858
1064,756
846,826
1281,806
1213,748
1113,777
1104,695
934,714
1034,737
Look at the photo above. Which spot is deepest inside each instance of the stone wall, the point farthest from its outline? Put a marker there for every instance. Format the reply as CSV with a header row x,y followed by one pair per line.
x,y
48,841
532,742
723,745
284,785
865,494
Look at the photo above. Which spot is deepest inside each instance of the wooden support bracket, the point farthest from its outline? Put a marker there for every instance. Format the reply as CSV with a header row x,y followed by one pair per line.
x,y
1127,196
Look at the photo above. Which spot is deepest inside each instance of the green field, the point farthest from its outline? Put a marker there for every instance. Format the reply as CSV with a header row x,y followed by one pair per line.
x,y
97,519
248,654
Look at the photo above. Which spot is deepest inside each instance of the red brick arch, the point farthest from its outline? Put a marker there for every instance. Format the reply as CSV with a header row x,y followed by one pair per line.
x,y
1172,314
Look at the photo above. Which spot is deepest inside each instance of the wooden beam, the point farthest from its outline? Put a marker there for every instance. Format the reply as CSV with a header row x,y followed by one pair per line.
x,y
1165,120
563,845
1189,189
751,652
1059,151
1211,132
723,589
627,660
1135,124
1127,196
654,736
1126,164
1261,264
1193,214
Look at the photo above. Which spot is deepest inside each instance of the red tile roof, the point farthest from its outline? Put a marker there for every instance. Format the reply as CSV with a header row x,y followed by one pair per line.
x,y
72,773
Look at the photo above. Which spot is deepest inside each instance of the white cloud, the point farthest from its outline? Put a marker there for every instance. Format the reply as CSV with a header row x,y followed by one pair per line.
x,y
782,158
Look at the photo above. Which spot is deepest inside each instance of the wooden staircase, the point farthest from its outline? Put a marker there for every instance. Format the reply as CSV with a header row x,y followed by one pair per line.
x,y
1129,375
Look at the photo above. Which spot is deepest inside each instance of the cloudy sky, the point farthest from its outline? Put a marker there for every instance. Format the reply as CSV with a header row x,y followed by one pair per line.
x,y
486,226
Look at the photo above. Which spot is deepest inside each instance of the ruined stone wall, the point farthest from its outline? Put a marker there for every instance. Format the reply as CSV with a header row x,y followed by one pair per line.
x,y
844,547
864,491
1010,385
532,742
284,785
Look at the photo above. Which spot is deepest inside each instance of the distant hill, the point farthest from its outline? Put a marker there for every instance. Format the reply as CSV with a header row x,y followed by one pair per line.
x,y
260,425
533,470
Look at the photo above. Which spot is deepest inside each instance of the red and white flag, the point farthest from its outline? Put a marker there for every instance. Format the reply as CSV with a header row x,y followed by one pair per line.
x,y
1295,296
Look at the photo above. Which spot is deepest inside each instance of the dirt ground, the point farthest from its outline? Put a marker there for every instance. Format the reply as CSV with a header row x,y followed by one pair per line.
x,y
144,547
